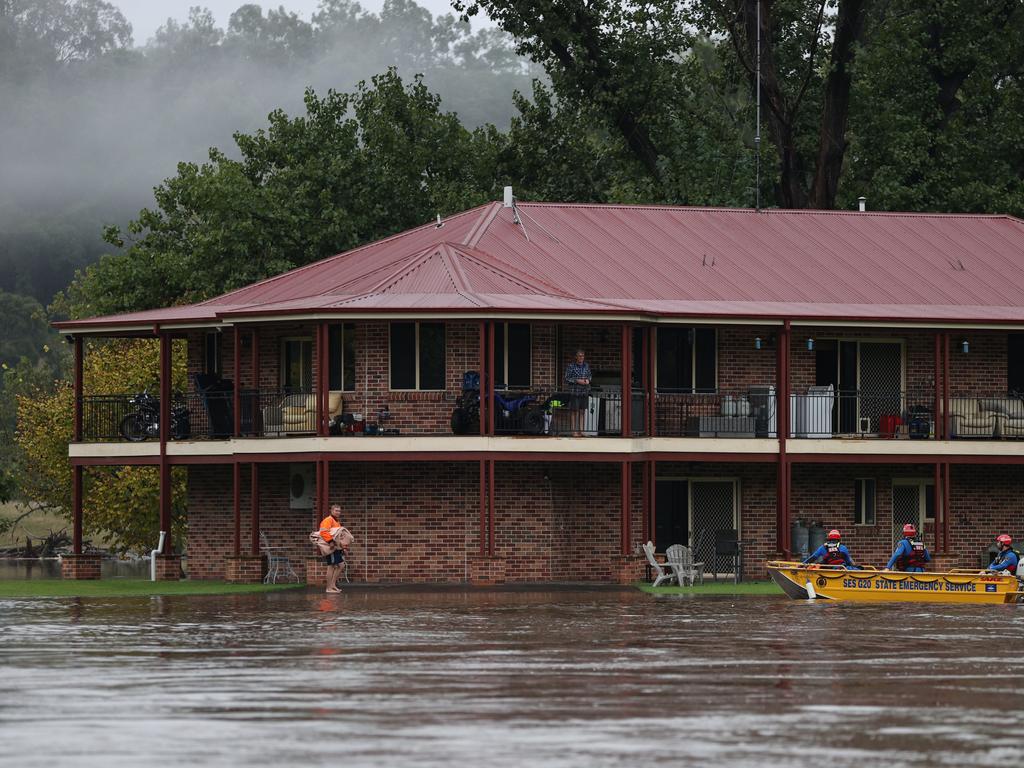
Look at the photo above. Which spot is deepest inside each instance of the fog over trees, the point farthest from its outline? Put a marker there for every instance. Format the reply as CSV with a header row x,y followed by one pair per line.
x,y
90,124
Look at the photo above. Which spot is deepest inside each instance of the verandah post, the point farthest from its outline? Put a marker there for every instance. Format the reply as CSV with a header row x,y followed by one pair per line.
x,y
78,393
236,397
76,508
236,503
165,428
782,433
254,509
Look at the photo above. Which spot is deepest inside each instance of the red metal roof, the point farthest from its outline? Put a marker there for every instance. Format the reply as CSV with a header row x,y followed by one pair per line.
x,y
612,259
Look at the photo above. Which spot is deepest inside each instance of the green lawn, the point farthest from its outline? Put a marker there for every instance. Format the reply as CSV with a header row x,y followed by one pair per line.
x,y
719,588
12,588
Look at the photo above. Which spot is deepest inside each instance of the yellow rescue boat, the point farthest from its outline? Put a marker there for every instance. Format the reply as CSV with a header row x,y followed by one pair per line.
x,y
868,584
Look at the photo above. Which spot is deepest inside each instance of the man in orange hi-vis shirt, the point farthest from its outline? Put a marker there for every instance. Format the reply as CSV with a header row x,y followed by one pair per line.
x,y
337,557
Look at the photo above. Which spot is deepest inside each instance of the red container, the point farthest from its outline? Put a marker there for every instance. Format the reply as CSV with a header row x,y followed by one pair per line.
x,y
888,424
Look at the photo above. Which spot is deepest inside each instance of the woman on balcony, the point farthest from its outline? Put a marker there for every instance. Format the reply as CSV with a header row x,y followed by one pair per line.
x,y
577,380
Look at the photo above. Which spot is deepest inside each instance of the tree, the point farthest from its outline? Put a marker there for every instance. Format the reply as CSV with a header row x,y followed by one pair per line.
x,y
630,60
937,109
120,503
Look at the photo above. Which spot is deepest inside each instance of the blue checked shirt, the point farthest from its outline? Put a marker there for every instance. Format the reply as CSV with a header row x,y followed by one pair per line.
x,y
575,371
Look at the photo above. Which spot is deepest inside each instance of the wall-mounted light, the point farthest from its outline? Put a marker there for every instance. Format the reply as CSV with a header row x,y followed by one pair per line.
x,y
810,345
966,347
757,342
764,342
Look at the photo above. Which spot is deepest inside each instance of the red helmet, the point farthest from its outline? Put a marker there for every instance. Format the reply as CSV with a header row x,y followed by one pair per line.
x,y
909,530
835,534
1004,538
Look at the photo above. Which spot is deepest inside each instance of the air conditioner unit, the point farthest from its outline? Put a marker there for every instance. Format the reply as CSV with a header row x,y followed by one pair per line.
x,y
301,486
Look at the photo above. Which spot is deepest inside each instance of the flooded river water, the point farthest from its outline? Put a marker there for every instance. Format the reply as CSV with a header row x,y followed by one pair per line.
x,y
553,678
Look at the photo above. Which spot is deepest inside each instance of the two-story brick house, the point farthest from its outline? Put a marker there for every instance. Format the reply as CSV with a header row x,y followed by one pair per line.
x,y
897,338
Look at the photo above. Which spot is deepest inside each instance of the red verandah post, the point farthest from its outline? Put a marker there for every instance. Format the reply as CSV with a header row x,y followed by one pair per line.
x,y
236,505
165,428
76,509
490,505
254,509
483,507
782,432
236,397
79,401
627,352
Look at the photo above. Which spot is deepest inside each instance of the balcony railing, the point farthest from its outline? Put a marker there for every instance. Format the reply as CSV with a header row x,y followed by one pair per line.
x,y
815,413
540,412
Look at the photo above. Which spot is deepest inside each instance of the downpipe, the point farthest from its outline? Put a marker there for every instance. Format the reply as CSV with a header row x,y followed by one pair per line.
x,y
153,554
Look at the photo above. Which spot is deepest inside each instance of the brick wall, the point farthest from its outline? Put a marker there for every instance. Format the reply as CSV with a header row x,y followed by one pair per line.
x,y
419,522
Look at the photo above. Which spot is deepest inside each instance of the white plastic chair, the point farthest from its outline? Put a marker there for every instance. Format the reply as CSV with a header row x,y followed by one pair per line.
x,y
680,559
659,571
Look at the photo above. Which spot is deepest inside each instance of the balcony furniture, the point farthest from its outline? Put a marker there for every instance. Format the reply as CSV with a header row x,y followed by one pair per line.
x,y
728,549
680,559
660,573
217,397
723,426
810,415
296,414
1009,412
969,420
278,564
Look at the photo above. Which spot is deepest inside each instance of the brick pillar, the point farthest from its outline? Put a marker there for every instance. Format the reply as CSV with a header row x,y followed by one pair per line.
x,y
80,567
245,569
316,570
944,562
168,567
486,570
627,569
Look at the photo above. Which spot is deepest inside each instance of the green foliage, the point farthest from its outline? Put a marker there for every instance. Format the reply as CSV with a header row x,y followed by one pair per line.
x,y
120,504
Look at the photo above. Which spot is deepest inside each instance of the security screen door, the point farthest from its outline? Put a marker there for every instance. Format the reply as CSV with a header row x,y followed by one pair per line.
x,y
880,381
913,501
712,508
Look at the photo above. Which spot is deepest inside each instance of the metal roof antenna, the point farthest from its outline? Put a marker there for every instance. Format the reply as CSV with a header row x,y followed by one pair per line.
x,y
757,126
510,202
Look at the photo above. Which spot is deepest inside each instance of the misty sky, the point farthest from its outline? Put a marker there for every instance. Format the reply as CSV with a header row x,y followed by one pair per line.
x,y
146,15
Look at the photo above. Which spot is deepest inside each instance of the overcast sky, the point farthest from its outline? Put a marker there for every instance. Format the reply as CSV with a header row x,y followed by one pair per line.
x,y
146,15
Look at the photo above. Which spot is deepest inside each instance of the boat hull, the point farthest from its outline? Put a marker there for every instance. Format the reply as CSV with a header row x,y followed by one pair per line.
x,y
869,585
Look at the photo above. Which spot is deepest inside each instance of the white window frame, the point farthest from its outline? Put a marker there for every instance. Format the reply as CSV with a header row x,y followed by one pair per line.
x,y
416,356
282,368
693,355
858,514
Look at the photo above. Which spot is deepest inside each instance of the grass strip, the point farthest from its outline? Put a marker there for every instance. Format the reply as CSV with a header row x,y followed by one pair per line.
x,y
712,588
28,588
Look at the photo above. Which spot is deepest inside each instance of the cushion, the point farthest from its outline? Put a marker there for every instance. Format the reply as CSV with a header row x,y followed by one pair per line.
x,y
996,405
964,406
334,402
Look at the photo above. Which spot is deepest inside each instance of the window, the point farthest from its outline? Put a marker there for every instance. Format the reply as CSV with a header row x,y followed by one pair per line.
x,y
687,359
864,501
297,365
417,356
211,355
512,355
342,357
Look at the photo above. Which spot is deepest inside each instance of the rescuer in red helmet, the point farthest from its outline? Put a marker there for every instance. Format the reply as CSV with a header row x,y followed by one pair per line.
x,y
911,553
832,552
1007,559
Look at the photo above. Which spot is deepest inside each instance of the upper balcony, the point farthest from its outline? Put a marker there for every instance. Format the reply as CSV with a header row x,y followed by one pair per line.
x,y
410,379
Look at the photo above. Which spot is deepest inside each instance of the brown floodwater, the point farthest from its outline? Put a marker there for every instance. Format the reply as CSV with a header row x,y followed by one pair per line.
x,y
508,678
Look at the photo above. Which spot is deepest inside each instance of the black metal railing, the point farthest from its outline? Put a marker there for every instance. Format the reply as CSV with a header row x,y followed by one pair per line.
x,y
747,413
558,413
822,412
